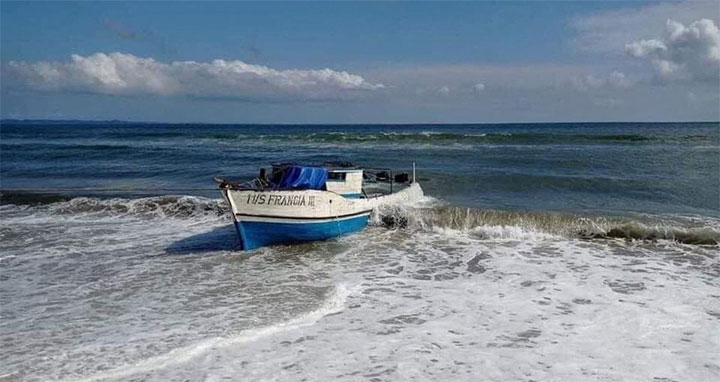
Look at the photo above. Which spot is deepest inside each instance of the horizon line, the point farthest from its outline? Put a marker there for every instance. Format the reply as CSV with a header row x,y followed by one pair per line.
x,y
119,122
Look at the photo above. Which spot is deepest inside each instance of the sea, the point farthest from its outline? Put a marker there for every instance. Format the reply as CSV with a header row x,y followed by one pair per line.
x,y
540,252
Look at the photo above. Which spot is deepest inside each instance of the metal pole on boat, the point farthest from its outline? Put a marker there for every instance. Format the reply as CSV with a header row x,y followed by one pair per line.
x,y
391,181
413,172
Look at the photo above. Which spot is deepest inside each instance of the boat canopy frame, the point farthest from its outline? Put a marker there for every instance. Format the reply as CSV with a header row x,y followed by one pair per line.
x,y
370,174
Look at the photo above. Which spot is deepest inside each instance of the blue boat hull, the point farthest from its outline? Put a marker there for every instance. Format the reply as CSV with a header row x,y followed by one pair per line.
x,y
255,234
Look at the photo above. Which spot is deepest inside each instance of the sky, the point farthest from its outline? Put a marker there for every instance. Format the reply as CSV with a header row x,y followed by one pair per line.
x,y
360,62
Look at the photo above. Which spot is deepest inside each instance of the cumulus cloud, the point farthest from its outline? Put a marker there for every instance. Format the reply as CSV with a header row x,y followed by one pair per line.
x,y
684,52
607,32
126,74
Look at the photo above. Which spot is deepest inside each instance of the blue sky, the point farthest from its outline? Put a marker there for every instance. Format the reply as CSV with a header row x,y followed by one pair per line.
x,y
346,34
360,62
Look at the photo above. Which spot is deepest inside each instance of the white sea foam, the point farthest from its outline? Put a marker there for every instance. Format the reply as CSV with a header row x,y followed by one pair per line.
x,y
448,306
469,293
334,303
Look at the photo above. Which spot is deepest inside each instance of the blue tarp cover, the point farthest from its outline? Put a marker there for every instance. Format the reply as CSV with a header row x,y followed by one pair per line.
x,y
304,178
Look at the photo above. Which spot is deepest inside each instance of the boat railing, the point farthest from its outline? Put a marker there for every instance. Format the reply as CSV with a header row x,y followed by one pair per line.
x,y
371,176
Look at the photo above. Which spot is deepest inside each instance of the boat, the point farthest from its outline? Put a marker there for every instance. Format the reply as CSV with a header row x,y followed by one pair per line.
x,y
301,202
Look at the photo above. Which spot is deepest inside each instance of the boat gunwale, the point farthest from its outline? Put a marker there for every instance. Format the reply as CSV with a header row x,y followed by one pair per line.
x,y
305,190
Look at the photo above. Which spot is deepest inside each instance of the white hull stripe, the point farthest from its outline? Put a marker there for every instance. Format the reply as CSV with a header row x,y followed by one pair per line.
x,y
294,220
305,217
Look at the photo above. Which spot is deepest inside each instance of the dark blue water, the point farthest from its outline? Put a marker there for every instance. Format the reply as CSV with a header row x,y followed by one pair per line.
x,y
608,168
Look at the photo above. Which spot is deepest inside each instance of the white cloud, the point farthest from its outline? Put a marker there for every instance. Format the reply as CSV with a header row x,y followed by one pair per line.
x,y
125,74
614,80
619,80
461,80
685,52
537,80
608,32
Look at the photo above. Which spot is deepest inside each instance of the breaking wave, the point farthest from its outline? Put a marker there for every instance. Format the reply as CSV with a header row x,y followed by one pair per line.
x,y
506,224
443,138
168,206
483,224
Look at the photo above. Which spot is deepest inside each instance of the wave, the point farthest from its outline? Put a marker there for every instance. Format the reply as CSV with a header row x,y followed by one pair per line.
x,y
443,138
67,147
484,224
229,136
149,134
30,198
168,206
487,224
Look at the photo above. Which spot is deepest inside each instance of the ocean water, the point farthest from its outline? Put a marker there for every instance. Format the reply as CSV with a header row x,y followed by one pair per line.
x,y
578,252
